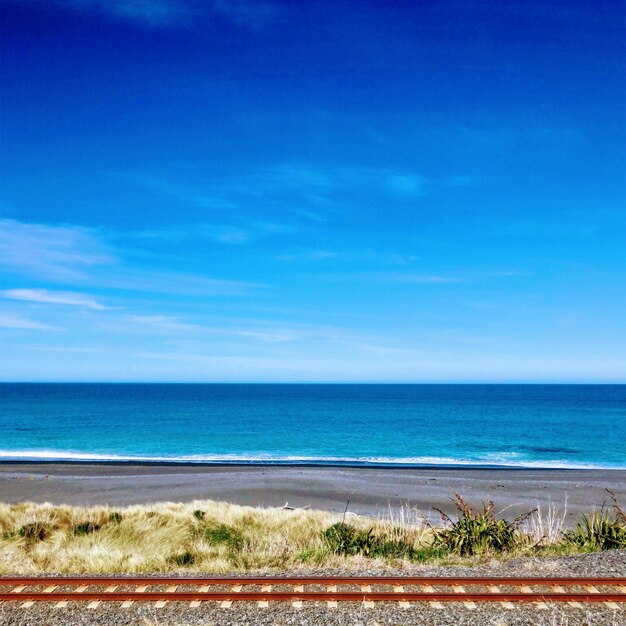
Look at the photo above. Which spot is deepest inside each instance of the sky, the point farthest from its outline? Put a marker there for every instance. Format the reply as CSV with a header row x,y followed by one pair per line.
x,y
312,191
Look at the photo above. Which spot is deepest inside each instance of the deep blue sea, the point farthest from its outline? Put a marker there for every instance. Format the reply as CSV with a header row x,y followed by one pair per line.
x,y
478,425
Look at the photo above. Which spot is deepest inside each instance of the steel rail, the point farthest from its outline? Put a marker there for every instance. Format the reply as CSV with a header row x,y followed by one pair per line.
x,y
310,580
362,596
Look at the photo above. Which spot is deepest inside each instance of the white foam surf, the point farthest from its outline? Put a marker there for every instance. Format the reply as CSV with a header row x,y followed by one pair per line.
x,y
504,460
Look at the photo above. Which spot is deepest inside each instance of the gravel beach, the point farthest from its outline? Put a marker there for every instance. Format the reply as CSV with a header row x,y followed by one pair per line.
x,y
371,490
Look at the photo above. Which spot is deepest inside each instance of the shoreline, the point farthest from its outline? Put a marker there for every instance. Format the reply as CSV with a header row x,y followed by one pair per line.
x,y
418,463
370,490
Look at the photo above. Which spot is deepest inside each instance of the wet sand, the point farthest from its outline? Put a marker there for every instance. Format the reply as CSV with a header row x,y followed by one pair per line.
x,y
370,490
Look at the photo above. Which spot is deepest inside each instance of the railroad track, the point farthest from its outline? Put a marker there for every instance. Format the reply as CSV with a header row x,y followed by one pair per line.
x,y
263,590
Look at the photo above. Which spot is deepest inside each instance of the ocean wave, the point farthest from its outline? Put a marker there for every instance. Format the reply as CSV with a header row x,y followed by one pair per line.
x,y
494,460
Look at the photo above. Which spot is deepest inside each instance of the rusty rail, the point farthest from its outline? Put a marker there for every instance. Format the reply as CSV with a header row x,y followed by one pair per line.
x,y
430,589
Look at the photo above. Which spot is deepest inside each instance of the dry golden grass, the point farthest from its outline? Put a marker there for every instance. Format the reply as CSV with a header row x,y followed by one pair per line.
x,y
216,537
169,537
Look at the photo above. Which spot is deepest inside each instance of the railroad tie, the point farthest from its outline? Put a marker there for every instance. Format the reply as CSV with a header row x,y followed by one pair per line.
x,y
506,605
264,603
539,605
572,603
331,589
368,604
63,603
433,603
128,603
466,604
196,603
170,589
403,604
226,604
297,604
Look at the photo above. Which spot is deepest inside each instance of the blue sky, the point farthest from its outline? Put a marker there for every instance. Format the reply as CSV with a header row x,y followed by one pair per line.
x,y
312,191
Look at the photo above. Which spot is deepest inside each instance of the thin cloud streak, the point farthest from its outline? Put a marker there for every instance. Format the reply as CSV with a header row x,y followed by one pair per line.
x,y
22,323
77,255
53,297
246,232
168,13
171,323
52,252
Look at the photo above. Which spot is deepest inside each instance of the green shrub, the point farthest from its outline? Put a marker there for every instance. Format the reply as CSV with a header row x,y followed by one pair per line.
x,y
224,534
346,540
35,531
198,514
84,528
183,559
476,530
115,517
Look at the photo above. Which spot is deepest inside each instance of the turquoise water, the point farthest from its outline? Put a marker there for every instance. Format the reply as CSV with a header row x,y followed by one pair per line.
x,y
484,425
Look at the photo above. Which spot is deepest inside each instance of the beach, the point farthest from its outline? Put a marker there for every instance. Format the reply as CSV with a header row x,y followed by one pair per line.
x,y
370,491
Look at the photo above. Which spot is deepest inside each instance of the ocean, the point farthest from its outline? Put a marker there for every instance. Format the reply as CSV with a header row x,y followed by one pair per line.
x,y
547,426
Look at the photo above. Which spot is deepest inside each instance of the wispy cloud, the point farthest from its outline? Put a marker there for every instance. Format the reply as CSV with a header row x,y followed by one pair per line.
x,y
169,13
269,336
22,323
246,232
172,323
423,279
165,322
150,281
149,13
318,183
308,255
54,252
53,297
409,185
252,13
402,278
77,255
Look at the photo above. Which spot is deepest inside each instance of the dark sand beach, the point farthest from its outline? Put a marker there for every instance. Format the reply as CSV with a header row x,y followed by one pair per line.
x,y
370,490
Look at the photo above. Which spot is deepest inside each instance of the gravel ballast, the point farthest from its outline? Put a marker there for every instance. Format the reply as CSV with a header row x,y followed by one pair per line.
x,y
610,563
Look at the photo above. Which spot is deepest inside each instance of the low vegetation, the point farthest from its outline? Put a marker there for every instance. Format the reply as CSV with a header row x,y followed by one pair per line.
x,y
478,530
217,537
602,530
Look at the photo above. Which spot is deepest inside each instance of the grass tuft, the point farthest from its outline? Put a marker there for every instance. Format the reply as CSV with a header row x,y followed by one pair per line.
x,y
35,531
85,528
224,534
184,559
